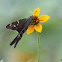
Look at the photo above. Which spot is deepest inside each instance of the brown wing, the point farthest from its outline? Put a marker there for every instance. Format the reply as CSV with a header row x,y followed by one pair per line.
x,y
21,26
16,25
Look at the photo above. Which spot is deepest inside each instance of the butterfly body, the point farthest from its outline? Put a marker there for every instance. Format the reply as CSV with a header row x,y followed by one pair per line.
x,y
20,26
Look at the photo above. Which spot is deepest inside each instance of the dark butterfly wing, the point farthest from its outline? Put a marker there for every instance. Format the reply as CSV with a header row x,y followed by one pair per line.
x,y
18,37
25,26
18,25
12,26
21,25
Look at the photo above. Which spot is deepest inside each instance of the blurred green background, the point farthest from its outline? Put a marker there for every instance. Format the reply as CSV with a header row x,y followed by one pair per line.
x,y
26,50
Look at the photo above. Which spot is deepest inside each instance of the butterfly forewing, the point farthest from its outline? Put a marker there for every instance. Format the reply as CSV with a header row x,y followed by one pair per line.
x,y
17,25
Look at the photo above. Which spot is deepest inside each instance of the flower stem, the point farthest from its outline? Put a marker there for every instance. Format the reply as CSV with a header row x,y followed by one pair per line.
x,y
38,48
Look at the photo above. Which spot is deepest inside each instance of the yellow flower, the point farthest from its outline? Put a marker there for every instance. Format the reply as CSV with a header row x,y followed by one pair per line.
x,y
36,25
36,12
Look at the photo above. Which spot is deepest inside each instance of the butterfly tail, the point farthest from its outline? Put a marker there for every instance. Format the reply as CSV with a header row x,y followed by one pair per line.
x,y
16,40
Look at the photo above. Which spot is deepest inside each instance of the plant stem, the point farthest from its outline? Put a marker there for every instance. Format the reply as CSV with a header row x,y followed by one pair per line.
x,y
38,48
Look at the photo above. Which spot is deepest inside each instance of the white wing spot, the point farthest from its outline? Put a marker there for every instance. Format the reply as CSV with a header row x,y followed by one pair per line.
x,y
18,22
14,26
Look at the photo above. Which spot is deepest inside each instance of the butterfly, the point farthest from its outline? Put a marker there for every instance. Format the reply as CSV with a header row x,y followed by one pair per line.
x,y
20,26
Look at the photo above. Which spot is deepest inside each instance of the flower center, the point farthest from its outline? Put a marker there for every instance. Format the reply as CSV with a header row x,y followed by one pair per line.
x,y
35,21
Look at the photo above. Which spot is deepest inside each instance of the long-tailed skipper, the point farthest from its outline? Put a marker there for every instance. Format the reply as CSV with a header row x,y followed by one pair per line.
x,y
20,26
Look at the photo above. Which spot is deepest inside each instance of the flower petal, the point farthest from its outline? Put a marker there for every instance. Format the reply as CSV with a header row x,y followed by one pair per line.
x,y
43,18
38,28
36,12
30,29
